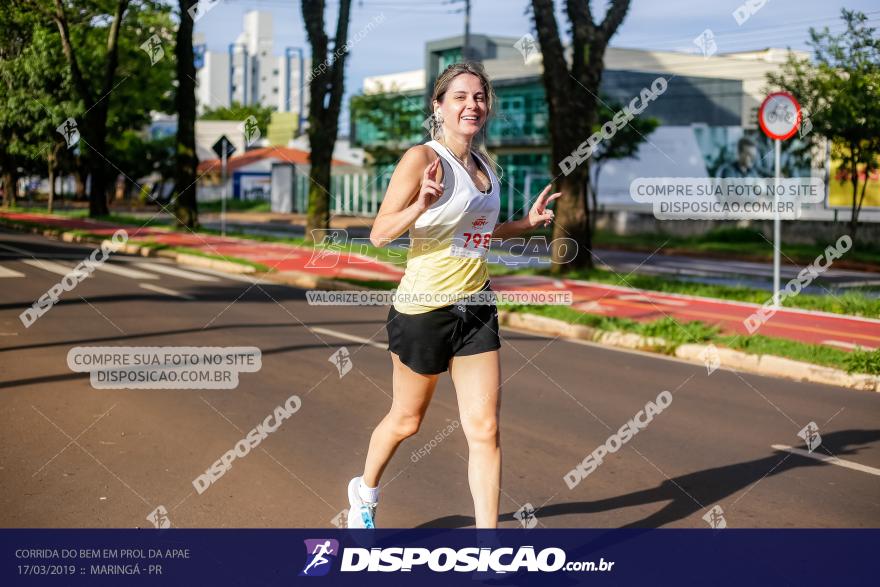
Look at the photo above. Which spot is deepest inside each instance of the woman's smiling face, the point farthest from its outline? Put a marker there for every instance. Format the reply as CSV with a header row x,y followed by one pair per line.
x,y
463,106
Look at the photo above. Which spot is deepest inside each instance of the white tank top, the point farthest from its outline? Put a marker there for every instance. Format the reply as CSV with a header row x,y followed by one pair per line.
x,y
449,242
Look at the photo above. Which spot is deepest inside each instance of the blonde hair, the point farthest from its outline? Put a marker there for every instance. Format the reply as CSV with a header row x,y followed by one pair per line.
x,y
441,86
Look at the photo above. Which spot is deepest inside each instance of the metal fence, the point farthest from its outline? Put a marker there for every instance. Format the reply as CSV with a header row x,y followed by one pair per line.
x,y
361,194
351,194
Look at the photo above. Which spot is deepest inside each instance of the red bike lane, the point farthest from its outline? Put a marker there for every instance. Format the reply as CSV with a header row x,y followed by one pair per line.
x,y
840,331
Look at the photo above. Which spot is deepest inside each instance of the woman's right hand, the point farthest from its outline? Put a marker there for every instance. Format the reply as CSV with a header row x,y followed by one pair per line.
x,y
430,190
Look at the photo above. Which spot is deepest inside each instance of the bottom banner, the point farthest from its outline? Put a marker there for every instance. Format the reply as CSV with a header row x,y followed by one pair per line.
x,y
438,557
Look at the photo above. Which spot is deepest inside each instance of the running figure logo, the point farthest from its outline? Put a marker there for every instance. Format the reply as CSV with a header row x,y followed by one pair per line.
x,y
811,436
159,518
526,516
68,130
153,48
319,556
342,360
711,359
705,42
715,518
251,130
528,48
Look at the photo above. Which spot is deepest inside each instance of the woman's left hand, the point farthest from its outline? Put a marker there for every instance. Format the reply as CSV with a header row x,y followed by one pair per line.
x,y
539,213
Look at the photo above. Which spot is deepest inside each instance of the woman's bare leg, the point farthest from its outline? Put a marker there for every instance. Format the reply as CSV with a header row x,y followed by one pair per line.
x,y
411,394
477,380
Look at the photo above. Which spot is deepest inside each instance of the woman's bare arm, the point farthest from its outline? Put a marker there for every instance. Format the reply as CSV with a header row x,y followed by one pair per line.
x,y
539,214
414,187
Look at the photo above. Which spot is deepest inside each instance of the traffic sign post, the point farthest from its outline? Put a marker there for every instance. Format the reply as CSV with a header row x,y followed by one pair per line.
x,y
224,149
779,118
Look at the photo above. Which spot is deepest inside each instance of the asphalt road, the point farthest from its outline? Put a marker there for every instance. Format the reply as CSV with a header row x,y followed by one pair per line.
x,y
75,456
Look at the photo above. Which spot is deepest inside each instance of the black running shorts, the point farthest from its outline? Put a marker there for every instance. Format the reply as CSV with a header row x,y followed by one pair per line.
x,y
426,342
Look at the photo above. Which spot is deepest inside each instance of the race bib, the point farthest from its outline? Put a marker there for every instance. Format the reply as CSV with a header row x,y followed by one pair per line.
x,y
473,236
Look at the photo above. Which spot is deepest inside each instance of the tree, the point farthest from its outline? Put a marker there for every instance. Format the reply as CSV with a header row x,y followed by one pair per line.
x,y
623,145
263,114
98,103
41,91
35,97
142,156
840,92
395,119
572,105
326,86
185,204
17,25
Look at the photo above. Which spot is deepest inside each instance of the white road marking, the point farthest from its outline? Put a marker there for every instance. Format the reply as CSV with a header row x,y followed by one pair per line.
x,y
169,270
350,337
233,276
16,250
49,266
7,272
848,345
125,271
827,459
165,290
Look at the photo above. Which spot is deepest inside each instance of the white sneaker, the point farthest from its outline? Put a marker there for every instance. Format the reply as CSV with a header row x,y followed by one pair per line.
x,y
362,513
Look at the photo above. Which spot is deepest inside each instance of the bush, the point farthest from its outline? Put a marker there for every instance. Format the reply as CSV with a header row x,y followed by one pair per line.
x,y
734,235
862,361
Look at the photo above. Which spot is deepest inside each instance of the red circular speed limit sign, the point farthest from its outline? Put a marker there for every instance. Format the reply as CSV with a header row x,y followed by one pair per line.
x,y
779,115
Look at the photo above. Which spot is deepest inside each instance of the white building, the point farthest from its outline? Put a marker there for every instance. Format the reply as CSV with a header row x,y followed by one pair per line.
x,y
250,71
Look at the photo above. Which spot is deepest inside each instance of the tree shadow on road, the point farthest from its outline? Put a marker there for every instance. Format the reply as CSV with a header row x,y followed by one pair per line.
x,y
208,329
694,492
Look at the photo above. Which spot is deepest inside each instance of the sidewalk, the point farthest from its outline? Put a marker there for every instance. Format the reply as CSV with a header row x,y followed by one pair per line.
x,y
838,331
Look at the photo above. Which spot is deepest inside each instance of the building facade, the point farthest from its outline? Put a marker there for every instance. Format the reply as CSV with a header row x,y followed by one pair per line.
x,y
710,103
251,71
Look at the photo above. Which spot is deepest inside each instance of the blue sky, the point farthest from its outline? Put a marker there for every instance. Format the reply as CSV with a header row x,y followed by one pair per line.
x,y
398,43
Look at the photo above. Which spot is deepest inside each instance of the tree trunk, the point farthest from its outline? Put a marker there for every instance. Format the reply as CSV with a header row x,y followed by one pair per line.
x,y
52,165
94,131
572,221
80,176
10,184
571,100
858,210
185,202
326,88
574,121
854,180
96,123
593,203
319,199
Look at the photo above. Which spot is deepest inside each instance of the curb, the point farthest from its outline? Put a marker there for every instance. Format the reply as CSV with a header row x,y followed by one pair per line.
x,y
218,264
767,365
308,281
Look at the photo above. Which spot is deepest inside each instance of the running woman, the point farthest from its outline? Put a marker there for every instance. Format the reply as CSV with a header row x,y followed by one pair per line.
x,y
446,194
